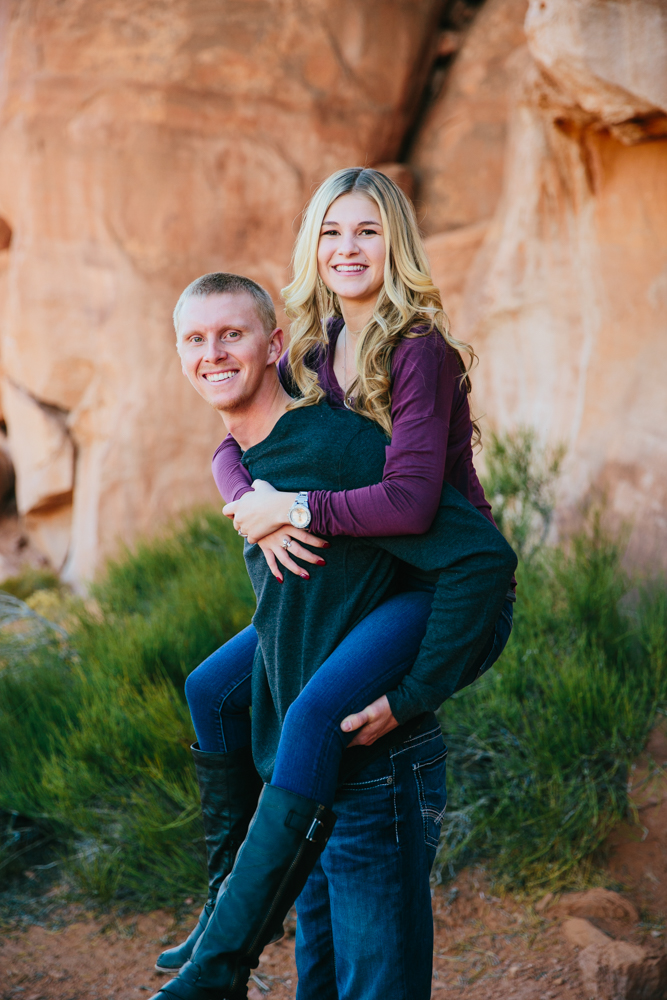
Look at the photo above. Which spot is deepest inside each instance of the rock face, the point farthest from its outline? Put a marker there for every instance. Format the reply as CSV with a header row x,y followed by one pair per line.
x,y
565,299
144,144
460,151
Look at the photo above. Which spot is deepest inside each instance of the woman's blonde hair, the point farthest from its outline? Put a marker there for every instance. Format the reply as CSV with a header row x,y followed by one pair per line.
x,y
408,298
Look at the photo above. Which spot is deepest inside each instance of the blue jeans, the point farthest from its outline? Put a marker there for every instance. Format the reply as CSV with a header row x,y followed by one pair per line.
x,y
365,925
370,661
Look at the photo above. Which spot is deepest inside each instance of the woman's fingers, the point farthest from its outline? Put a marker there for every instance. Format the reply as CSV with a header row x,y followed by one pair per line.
x,y
312,557
304,536
272,564
289,563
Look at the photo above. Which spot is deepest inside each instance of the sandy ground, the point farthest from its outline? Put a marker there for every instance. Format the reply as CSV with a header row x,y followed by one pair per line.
x,y
486,947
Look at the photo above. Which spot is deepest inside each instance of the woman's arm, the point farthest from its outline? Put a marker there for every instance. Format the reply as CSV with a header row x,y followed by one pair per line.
x,y
425,381
231,476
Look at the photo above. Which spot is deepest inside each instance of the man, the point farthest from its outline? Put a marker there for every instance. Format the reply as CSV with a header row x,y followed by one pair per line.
x,y
374,871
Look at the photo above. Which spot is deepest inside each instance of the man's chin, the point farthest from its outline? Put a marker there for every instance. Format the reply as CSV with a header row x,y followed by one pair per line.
x,y
230,405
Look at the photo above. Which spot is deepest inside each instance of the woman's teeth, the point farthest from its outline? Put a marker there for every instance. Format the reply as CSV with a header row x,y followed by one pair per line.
x,y
219,376
349,268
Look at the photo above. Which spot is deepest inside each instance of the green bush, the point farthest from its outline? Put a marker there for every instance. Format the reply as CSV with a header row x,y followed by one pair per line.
x,y
94,728
540,747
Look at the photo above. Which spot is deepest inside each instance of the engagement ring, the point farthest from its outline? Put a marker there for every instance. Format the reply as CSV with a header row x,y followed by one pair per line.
x,y
287,542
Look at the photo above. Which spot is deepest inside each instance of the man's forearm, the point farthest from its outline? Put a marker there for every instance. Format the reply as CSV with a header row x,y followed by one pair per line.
x,y
475,566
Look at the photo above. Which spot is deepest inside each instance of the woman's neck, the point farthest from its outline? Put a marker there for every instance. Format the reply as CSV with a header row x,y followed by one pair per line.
x,y
356,314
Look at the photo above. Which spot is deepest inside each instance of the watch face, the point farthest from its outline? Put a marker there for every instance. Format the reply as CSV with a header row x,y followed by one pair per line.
x,y
300,516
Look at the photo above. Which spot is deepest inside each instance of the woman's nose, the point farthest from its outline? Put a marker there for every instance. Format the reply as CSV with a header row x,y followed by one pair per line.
x,y
349,244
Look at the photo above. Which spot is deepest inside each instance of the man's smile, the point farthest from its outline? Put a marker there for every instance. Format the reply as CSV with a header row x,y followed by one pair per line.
x,y
220,376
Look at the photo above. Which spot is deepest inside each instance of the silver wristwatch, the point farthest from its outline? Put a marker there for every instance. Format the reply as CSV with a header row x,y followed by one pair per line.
x,y
299,514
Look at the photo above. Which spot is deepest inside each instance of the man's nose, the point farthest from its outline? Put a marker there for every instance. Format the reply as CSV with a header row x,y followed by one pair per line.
x,y
215,349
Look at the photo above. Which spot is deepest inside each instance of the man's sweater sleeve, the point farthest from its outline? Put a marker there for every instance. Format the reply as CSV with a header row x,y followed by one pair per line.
x,y
475,566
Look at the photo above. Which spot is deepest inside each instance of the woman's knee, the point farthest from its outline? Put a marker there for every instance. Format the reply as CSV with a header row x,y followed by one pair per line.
x,y
196,686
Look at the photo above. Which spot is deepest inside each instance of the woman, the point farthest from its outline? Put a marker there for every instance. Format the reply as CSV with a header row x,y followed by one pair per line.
x,y
388,356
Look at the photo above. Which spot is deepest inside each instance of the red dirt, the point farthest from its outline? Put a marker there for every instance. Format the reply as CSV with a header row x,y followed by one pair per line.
x,y
479,938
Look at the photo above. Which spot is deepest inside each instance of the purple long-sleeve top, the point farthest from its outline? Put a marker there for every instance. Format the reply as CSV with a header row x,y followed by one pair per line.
x,y
431,443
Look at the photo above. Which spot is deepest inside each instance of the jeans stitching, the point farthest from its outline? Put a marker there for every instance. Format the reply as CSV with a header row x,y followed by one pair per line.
x,y
425,811
375,783
417,741
224,698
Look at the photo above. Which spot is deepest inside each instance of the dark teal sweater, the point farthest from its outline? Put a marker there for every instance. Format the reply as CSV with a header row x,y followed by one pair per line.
x,y
300,622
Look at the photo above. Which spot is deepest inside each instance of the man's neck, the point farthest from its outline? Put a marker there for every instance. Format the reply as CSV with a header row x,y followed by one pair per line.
x,y
251,423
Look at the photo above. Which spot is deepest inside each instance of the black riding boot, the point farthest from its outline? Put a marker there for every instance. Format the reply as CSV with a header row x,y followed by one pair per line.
x,y
287,835
229,787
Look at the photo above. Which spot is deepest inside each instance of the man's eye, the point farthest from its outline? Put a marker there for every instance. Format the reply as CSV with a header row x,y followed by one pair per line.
x,y
233,335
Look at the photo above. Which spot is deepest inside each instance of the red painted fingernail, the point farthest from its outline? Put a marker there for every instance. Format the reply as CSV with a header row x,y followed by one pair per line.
x,y
279,579
321,562
305,576
326,545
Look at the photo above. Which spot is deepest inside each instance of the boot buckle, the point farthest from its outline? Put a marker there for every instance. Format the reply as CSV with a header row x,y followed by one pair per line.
x,y
316,831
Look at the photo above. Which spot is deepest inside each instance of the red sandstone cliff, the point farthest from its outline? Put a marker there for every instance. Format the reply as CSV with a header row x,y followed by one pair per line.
x,y
143,144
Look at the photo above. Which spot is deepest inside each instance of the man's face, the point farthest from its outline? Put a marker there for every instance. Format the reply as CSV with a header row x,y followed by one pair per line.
x,y
224,348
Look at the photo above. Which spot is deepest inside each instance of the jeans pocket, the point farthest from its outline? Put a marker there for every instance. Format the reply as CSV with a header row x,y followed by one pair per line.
x,y
430,776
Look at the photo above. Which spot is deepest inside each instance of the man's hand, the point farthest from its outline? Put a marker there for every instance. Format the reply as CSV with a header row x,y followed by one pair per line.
x,y
373,722
261,512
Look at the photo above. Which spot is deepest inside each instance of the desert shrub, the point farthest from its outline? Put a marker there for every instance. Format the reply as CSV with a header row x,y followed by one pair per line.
x,y
94,728
520,482
540,748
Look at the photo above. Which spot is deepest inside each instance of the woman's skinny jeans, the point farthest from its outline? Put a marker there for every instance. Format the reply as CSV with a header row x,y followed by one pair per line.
x,y
370,661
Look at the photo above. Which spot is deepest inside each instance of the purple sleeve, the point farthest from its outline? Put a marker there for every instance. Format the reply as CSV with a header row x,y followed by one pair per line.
x,y
231,477
406,500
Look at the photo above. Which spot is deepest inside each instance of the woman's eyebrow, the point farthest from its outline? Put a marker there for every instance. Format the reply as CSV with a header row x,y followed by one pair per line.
x,y
366,222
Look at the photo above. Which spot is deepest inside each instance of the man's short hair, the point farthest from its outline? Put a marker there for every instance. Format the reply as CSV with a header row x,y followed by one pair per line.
x,y
218,283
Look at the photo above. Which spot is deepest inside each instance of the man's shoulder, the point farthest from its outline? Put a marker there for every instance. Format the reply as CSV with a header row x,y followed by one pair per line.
x,y
336,424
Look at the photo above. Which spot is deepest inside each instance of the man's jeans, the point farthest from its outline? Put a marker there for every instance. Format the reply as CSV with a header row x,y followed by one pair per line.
x,y
365,925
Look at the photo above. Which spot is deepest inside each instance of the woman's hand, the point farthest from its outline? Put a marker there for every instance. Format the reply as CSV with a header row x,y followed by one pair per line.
x,y
275,552
261,512
373,722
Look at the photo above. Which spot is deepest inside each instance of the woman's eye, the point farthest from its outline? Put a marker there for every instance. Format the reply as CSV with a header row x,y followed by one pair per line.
x,y
330,232
369,232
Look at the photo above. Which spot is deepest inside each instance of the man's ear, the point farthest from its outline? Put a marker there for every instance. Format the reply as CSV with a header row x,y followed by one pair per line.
x,y
276,345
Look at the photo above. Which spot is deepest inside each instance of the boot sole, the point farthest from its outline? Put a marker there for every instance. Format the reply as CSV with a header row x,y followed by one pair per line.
x,y
167,972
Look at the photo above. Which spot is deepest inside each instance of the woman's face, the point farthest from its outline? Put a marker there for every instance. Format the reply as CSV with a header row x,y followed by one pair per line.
x,y
351,251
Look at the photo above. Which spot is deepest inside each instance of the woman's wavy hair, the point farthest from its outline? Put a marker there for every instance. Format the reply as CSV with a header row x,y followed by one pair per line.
x,y
409,304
